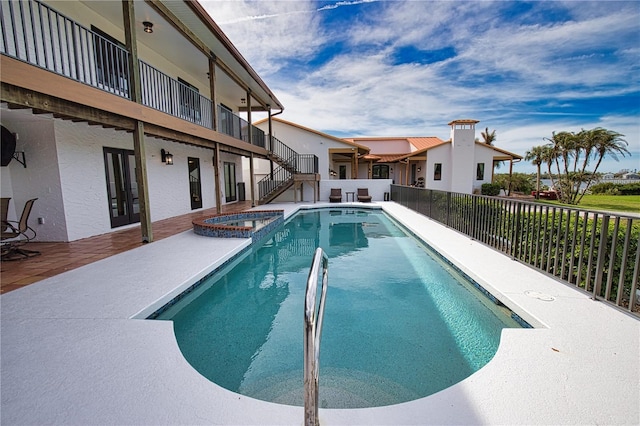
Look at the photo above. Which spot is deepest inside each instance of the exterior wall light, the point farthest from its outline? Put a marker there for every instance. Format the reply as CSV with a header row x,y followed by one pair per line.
x,y
166,157
148,27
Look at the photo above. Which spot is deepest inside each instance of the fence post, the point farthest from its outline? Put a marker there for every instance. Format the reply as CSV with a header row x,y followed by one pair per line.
x,y
602,250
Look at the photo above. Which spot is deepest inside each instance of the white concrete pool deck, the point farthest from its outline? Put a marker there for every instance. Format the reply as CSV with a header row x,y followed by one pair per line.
x,y
71,352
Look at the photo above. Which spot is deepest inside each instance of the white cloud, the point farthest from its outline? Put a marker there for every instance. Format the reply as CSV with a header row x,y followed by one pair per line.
x,y
507,72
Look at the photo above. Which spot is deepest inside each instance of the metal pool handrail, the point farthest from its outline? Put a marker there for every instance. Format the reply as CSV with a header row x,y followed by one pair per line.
x,y
312,334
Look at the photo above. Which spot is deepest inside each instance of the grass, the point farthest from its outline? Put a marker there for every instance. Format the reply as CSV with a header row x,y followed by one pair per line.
x,y
613,203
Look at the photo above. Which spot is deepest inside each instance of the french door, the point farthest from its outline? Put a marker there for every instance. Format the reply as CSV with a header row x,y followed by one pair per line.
x,y
122,187
230,181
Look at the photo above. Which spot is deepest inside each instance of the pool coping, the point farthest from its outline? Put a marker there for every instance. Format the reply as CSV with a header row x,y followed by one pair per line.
x,y
74,352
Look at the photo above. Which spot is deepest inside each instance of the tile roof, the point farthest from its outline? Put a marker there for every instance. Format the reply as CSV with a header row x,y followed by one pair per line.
x,y
425,142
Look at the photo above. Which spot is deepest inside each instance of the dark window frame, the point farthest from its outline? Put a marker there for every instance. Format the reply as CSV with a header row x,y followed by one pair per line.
x,y
437,171
480,171
380,171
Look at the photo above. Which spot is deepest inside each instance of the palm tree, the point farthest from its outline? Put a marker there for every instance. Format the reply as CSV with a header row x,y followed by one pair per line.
x,y
598,143
536,156
489,138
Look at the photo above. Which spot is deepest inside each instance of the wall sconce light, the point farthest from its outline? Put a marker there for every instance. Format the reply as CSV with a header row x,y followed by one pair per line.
x,y
148,27
166,157
419,169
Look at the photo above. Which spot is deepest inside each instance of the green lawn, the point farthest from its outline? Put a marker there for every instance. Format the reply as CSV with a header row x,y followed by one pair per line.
x,y
614,203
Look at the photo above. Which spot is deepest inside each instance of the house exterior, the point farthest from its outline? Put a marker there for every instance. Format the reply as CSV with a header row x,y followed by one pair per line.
x,y
123,112
460,164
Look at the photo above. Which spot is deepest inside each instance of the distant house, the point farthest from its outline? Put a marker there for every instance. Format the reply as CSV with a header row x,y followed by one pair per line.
x,y
608,176
631,176
459,164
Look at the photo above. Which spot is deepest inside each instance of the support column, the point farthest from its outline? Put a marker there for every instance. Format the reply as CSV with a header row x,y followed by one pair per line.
x,y
212,91
253,181
216,174
250,126
355,164
510,176
129,21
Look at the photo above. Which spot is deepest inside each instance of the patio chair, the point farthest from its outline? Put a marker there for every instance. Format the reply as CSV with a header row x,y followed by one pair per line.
x,y
363,195
16,234
4,209
336,195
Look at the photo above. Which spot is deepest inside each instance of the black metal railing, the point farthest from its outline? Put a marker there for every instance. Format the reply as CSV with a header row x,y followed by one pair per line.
x,y
237,127
161,92
280,177
35,33
39,35
597,252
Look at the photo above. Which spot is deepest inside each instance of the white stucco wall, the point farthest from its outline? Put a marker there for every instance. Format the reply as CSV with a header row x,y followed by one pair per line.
x,y
376,188
483,155
304,142
440,154
66,172
463,171
40,179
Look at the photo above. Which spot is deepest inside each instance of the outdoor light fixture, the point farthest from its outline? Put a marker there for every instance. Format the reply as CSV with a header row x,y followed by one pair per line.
x,y
148,27
419,169
166,157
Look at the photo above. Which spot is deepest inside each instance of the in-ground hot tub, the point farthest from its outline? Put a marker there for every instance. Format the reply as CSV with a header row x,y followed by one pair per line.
x,y
250,224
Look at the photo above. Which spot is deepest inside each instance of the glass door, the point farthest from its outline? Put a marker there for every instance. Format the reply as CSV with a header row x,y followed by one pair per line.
x,y
122,187
230,181
195,187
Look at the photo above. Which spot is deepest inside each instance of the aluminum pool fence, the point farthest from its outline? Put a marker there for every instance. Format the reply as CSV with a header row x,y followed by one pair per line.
x,y
598,252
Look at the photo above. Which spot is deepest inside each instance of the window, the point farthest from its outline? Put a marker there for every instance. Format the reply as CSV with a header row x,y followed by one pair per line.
x,y
480,171
437,171
195,188
380,171
342,170
189,101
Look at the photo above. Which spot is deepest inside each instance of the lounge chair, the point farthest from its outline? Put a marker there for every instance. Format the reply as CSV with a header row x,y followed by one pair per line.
x,y
15,236
336,195
363,195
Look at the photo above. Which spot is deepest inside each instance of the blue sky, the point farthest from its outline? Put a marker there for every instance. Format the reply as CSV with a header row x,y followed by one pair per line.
x,y
407,68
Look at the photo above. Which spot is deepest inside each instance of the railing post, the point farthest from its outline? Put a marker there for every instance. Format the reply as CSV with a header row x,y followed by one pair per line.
x,y
602,249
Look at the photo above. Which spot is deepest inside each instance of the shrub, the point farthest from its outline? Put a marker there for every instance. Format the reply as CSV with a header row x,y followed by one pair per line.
x,y
490,189
610,188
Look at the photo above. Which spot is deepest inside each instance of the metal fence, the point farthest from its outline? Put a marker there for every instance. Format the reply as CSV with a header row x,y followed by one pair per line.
x,y
597,252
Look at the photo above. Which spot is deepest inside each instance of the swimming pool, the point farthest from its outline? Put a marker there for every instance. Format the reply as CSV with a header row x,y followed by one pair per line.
x,y
400,323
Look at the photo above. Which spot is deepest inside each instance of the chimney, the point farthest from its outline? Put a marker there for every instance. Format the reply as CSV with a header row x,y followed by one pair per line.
x,y
463,141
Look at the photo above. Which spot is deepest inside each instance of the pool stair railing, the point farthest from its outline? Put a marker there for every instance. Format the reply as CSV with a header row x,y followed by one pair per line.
x,y
312,333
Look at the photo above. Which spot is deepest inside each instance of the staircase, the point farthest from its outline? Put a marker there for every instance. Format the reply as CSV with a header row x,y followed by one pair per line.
x,y
282,178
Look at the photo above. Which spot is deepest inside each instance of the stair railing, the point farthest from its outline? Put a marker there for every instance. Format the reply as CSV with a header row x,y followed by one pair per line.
x,y
312,334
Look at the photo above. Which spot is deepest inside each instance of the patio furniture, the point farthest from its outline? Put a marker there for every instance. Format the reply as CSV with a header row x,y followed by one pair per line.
x,y
363,195
336,195
4,209
16,234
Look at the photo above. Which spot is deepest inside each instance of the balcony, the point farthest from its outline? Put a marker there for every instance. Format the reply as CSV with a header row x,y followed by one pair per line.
x,y
35,33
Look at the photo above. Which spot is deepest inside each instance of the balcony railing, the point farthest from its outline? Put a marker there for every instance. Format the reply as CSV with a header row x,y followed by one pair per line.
x,y
39,35
594,251
232,125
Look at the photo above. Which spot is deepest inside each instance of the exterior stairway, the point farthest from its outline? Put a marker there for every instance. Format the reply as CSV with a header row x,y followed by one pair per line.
x,y
291,165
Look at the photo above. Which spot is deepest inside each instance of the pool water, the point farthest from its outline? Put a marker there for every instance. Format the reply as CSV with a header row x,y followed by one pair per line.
x,y
400,323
